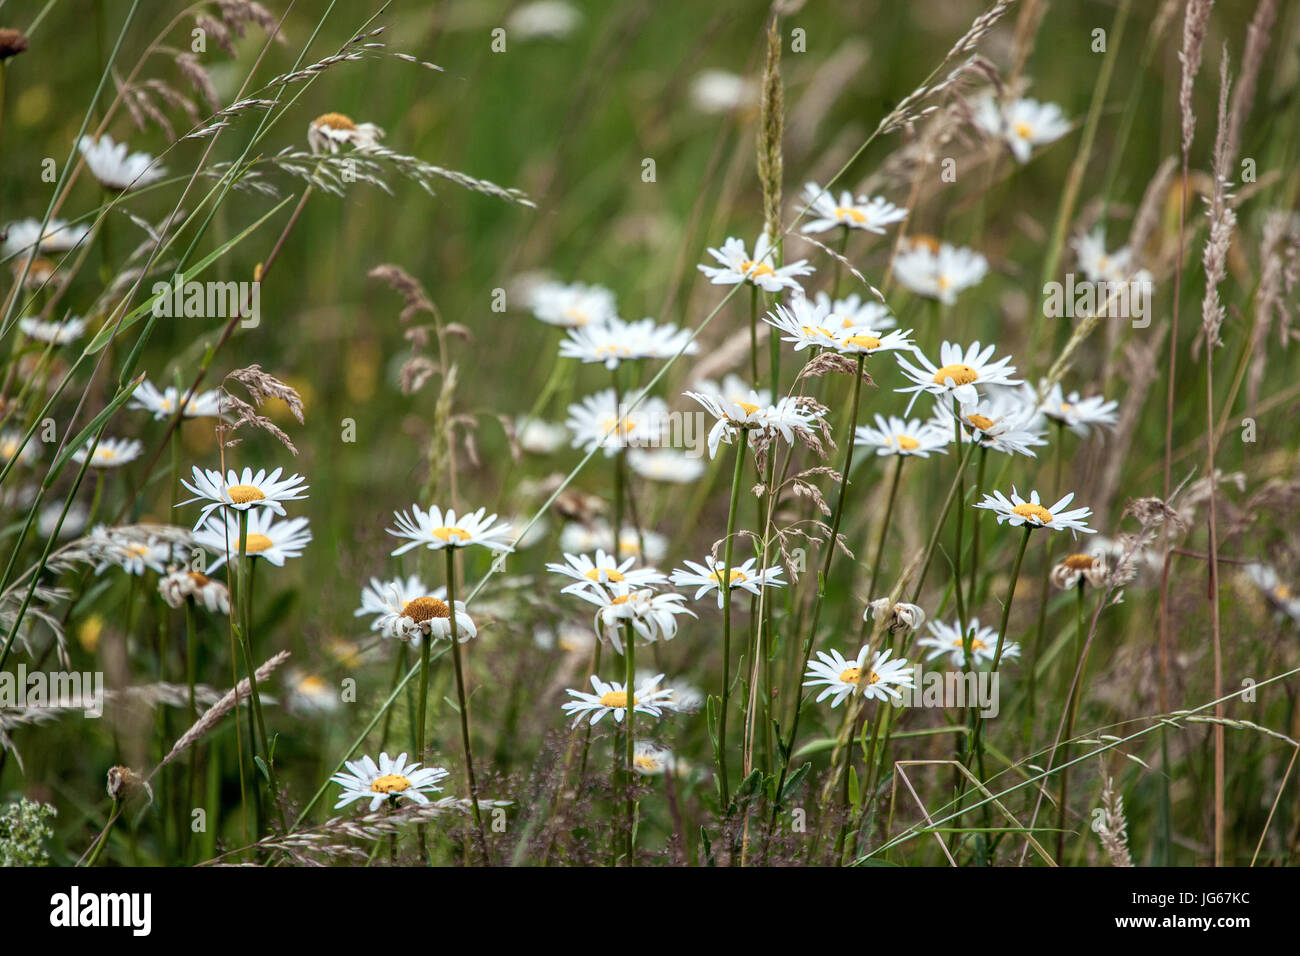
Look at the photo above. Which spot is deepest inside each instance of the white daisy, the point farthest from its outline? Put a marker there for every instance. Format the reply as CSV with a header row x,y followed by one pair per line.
x,y
708,577
181,584
842,677
275,541
760,269
601,421
959,373
1098,265
717,91
785,418
242,491
311,694
1017,511
539,437
871,215
855,312
1278,593
128,550
57,333
111,452
615,341
733,388
26,235
947,639
437,530
331,130
611,698
1090,569
666,465
11,446
429,616
1080,415
903,436
651,760
381,598
684,697
898,617
1003,422
590,571
939,274
572,306
162,404
390,780
577,537
1022,123
551,19
110,164
653,616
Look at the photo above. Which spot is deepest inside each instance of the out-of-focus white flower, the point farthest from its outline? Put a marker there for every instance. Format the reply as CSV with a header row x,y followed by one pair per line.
x,y
329,131
868,214
110,164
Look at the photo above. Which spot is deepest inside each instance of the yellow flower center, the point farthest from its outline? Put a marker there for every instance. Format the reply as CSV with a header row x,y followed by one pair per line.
x,y
848,212
334,121
644,762
577,316
311,684
854,675
907,442
975,645
256,543
612,424
752,269
199,580
1282,593
981,422
1079,562
425,609
816,330
1035,512
748,408
105,453
390,783
244,494
960,374
736,576
616,699
926,242
446,534
863,341
1023,130
611,574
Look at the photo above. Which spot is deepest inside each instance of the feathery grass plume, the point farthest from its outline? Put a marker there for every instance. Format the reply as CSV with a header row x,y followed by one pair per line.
x,y
261,386
1112,827
1243,97
1222,219
1279,275
1195,23
771,120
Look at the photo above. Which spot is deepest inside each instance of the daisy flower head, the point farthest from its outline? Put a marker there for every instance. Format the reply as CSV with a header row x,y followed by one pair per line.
x,y
897,616
381,598
616,341
804,323
869,214
948,639
959,373
1017,511
110,164
939,273
684,697
666,465
242,491
760,269
653,617
1076,569
427,616
1098,265
110,452
651,760
55,333
329,131
1278,593
311,694
1021,123
733,389
708,577
855,311
436,529
539,437
391,779
572,306
643,544
275,541
180,585
11,446
840,677
1003,422
162,404
718,91
602,421
26,236
602,568
731,416
612,698
903,436
127,549
1080,415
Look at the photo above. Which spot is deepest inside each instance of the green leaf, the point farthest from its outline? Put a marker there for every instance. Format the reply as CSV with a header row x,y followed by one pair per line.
x,y
792,782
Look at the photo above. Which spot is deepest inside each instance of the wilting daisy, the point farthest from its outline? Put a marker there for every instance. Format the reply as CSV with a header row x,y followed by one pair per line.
x,y
870,214
427,616
667,465
588,571
615,341
390,780
110,164
26,235
111,452
128,550
1098,265
601,421
611,698
651,760
242,491
578,538
275,541
898,617
56,333
759,269
903,436
381,598
842,677
178,585
948,639
539,437
939,274
332,130
1073,569
855,312
1080,415
162,404
653,617
959,373
1004,422
437,530
708,577
1022,123
572,305
1017,511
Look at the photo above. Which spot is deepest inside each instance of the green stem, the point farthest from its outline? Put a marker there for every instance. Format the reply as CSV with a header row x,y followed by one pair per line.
x,y
742,442
629,671
463,703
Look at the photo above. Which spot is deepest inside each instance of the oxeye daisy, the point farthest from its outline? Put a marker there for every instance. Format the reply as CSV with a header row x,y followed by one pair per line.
x,y
612,698
903,436
616,341
11,446
1098,265
949,639
111,452
389,780
539,437
26,236
958,374
759,269
578,538
1021,123
804,323
869,214
162,404
868,341
1278,593
573,305
733,389
110,164
653,617
684,697
311,694
842,677
666,465
56,333
242,491
180,584
275,541
329,131
939,274
1004,423
651,760
732,416
129,550
708,577
1080,415
855,312
602,421
589,571
426,616
381,598
1017,511
898,616
436,529
1076,569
